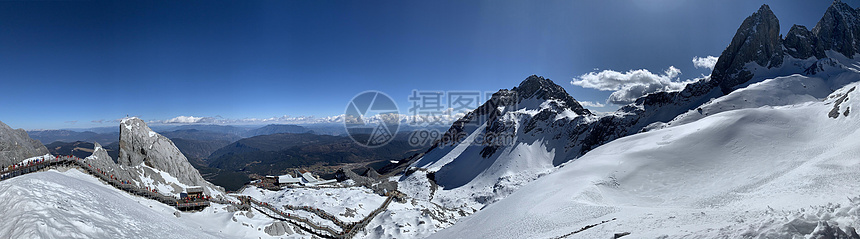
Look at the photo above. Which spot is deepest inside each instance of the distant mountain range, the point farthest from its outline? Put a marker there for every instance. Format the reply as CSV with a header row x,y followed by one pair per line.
x,y
51,136
272,154
227,155
195,141
105,135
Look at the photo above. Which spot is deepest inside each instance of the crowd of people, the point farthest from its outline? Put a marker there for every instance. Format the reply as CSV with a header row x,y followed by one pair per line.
x,y
36,164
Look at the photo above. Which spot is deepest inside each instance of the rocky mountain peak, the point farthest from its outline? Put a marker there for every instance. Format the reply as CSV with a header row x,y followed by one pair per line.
x,y
758,41
16,145
100,153
839,30
541,88
801,43
140,145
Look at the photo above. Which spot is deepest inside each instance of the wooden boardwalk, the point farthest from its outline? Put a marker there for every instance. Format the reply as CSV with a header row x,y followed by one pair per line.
x,y
67,161
345,230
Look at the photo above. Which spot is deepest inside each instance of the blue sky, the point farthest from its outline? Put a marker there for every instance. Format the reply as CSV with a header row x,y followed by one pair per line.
x,y
65,64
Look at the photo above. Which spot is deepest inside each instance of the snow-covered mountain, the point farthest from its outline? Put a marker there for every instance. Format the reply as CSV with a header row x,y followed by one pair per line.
x,y
514,137
549,130
774,172
764,147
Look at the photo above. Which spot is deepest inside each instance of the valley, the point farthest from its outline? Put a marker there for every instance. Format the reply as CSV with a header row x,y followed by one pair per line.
x,y
466,120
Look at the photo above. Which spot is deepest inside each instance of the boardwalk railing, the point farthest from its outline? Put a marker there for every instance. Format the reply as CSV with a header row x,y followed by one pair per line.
x,y
67,161
347,230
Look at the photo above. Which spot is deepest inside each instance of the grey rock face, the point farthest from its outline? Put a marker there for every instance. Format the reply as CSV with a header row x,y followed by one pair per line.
x,y
231,208
100,153
101,160
534,88
541,88
140,145
278,229
758,41
839,29
16,145
800,43
826,231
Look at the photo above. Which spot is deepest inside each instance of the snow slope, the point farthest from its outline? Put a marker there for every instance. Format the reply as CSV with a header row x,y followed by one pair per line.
x,y
73,204
736,173
414,219
502,147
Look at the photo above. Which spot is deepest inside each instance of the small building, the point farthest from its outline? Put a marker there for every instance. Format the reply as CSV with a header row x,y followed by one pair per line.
x,y
288,179
282,180
304,178
308,179
193,192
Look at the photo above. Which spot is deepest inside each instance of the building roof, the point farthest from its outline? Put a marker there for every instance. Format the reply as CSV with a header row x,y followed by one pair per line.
x,y
194,189
309,177
288,179
311,180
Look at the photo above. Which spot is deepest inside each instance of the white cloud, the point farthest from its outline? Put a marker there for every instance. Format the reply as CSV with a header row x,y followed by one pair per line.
x,y
628,86
446,117
705,62
188,120
272,120
591,104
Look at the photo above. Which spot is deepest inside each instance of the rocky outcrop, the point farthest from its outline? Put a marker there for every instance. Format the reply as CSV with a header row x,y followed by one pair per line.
x,y
800,43
544,89
278,228
839,29
100,154
139,145
756,41
16,145
369,179
826,231
102,161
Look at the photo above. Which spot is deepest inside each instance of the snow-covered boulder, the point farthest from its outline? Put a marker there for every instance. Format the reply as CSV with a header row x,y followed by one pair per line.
x,y
278,229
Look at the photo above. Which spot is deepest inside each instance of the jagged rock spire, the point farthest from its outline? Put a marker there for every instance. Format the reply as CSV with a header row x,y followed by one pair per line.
x,y
757,40
801,43
839,29
544,89
140,145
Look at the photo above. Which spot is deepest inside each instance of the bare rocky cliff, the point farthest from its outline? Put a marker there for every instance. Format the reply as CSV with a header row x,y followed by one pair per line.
x,y
16,145
141,146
